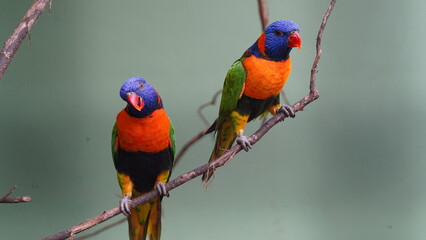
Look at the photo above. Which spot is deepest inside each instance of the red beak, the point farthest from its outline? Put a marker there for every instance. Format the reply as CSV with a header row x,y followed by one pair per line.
x,y
294,40
135,101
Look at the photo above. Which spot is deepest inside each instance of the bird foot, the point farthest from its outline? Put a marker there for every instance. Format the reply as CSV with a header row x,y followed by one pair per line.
x,y
124,205
161,188
287,111
244,141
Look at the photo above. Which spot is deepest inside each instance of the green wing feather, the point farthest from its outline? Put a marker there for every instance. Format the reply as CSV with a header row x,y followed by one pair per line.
x,y
113,143
173,140
232,90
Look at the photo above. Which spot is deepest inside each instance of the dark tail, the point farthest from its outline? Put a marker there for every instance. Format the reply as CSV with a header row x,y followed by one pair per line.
x,y
211,128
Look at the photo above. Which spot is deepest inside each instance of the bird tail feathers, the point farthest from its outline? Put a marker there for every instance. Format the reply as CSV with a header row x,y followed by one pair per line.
x,y
145,220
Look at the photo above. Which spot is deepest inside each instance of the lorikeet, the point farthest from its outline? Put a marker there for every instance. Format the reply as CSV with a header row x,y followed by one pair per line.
x,y
253,84
143,150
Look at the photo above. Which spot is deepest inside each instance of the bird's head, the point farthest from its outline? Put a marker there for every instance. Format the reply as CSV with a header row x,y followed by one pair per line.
x,y
141,98
278,39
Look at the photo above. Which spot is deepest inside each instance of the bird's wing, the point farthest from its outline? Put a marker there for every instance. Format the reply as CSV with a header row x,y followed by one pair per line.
x,y
233,88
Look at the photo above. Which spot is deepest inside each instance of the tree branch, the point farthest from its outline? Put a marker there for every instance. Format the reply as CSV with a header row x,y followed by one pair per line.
x,y
318,48
12,44
226,157
263,13
7,199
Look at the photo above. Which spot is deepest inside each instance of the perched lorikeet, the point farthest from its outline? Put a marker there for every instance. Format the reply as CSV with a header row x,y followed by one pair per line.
x,y
143,150
253,84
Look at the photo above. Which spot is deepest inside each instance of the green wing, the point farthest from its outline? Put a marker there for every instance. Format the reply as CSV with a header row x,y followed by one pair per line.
x,y
113,143
173,140
232,90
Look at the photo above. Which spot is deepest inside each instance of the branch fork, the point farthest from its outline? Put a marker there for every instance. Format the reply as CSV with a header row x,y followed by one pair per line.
x,y
7,199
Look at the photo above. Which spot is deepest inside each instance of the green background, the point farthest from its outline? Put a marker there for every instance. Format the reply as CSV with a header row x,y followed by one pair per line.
x,y
351,166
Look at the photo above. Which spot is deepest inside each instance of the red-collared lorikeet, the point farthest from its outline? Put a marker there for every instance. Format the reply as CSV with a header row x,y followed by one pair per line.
x,y
143,150
252,86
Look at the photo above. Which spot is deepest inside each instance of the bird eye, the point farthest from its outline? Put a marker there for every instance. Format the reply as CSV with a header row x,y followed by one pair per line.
x,y
141,85
278,33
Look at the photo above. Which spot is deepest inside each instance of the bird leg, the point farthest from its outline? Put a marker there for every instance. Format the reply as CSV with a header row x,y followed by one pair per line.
x,y
286,110
124,205
244,141
162,190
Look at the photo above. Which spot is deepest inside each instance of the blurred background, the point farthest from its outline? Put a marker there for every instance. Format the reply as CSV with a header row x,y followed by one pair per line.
x,y
351,166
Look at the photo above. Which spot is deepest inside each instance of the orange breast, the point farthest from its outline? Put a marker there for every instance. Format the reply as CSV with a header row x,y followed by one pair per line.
x,y
150,134
265,78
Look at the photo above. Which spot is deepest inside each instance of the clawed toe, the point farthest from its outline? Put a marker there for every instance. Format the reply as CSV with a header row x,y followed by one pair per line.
x,y
124,205
243,141
287,111
161,188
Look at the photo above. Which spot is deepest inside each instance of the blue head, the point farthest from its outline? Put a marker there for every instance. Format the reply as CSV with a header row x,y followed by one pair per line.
x,y
277,41
141,98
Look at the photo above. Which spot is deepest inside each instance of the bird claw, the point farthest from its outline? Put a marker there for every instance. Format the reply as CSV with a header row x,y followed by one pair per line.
x,y
243,141
162,190
124,205
287,111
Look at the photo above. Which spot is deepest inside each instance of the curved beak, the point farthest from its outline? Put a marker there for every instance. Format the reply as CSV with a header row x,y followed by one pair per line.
x,y
135,101
294,40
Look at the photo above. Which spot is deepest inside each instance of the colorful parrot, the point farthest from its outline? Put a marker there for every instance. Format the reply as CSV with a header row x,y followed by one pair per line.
x,y
252,86
143,150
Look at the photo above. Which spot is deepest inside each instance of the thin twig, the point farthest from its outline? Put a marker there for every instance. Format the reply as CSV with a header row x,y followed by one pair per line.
x,y
209,103
226,157
7,199
314,69
8,193
187,145
12,44
263,13
92,234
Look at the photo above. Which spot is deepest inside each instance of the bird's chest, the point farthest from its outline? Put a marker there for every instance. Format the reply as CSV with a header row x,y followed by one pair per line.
x,y
150,134
265,78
